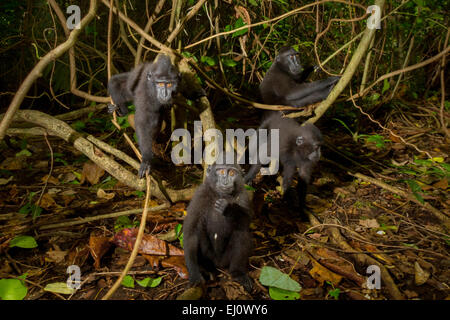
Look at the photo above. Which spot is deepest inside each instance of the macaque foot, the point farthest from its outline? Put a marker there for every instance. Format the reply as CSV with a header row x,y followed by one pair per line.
x,y
145,165
245,281
196,279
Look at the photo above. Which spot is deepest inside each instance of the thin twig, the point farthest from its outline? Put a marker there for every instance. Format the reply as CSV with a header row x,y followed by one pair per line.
x,y
137,243
100,217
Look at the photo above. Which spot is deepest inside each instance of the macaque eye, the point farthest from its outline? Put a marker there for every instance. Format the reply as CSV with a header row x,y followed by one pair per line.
x,y
169,84
232,173
161,84
221,172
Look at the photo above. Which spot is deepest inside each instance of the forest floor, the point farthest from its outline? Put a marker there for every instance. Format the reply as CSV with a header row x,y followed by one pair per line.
x,y
399,234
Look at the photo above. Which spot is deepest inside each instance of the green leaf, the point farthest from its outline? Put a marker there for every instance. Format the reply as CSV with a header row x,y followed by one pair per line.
x,y
122,223
253,2
208,60
35,211
128,281
26,209
78,125
59,287
24,152
139,194
334,293
419,197
12,289
415,187
78,175
239,23
149,282
249,188
229,62
280,294
374,97
273,277
178,229
26,242
386,86
412,245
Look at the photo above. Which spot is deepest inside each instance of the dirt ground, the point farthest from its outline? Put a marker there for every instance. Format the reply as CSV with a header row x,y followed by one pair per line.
x,y
351,223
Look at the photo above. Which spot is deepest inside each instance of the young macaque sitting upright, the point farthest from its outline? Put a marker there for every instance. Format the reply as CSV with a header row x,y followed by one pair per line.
x,y
216,228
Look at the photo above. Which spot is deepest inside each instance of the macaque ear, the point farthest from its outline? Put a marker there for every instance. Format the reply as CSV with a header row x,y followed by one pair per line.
x,y
149,75
299,141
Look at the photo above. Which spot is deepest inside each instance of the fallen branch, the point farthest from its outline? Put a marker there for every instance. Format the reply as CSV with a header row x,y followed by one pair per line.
x,y
442,217
362,258
78,221
62,130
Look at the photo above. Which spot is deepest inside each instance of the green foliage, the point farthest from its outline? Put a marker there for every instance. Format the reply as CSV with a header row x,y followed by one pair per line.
x,y
273,277
78,125
149,282
139,194
415,188
280,294
208,60
26,242
24,152
31,207
247,187
334,293
59,287
180,234
13,289
237,24
123,222
128,281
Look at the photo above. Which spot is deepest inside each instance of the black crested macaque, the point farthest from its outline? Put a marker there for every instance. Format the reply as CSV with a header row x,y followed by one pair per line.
x,y
299,149
149,86
216,228
284,82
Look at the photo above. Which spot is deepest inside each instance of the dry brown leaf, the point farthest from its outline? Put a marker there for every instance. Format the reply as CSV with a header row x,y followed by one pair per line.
x,y
178,264
56,256
47,202
5,181
420,276
442,184
149,245
369,223
322,274
68,177
51,179
101,194
15,163
92,173
297,257
98,246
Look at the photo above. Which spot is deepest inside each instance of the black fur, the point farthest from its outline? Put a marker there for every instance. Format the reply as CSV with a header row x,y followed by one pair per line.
x,y
216,228
299,149
141,86
284,82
